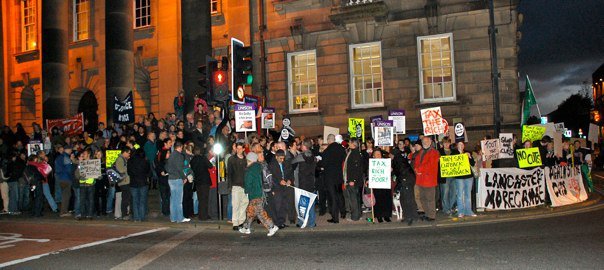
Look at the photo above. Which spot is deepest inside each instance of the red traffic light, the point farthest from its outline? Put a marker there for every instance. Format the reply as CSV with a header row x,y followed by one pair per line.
x,y
220,77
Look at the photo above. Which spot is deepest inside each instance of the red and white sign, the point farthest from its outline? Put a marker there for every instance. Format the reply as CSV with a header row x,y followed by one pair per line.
x,y
433,122
69,126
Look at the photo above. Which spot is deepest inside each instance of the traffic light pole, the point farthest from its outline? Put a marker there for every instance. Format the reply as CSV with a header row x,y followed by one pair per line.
x,y
494,70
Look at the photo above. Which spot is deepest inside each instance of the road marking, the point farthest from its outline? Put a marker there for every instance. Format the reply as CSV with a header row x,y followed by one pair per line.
x,y
9,238
598,176
79,247
152,253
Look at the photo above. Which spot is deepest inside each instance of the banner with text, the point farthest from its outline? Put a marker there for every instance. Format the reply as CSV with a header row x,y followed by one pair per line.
x,y
356,128
528,157
123,111
454,165
70,126
510,188
379,173
433,121
245,117
565,185
490,149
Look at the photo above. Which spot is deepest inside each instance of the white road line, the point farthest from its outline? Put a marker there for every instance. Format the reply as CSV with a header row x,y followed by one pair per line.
x,y
598,176
152,253
79,247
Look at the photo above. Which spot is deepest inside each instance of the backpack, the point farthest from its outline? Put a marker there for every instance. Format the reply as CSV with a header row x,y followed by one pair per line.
x,y
267,178
113,175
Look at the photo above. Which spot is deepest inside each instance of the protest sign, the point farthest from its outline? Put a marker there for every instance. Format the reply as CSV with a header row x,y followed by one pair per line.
x,y
245,118
558,144
33,147
356,128
559,127
593,134
455,165
532,133
267,118
70,126
110,157
329,130
399,121
90,168
304,204
433,121
123,111
379,173
565,185
506,145
460,132
490,149
528,157
384,133
510,188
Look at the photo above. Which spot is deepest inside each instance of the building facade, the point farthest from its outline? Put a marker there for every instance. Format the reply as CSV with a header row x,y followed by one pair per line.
x,y
316,61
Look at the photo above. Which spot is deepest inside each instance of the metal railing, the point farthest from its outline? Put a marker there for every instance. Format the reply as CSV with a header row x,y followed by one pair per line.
x,y
349,3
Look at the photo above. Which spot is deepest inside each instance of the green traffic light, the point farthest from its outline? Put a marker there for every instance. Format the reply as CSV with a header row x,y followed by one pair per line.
x,y
249,79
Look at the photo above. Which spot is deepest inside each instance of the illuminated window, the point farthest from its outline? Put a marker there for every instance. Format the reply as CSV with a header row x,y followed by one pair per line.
x,y
142,13
28,25
214,6
302,81
81,19
366,75
436,68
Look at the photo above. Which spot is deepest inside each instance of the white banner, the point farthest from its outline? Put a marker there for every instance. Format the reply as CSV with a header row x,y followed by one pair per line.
x,y
565,185
379,173
510,188
90,168
304,204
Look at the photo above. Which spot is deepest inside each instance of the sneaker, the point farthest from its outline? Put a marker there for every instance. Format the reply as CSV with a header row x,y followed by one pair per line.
x,y
186,220
244,230
460,216
473,215
272,231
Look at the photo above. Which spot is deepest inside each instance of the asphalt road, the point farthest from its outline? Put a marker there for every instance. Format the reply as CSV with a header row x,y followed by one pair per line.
x,y
573,241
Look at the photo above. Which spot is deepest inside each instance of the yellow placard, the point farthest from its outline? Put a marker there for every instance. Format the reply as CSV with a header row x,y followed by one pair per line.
x,y
455,165
532,133
528,157
111,156
356,128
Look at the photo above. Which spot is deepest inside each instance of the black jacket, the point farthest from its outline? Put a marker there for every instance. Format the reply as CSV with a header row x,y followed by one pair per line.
x,y
200,166
236,170
333,158
198,138
354,167
307,165
138,170
288,174
405,176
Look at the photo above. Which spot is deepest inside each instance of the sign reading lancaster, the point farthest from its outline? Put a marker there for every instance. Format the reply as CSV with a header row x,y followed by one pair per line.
x,y
511,188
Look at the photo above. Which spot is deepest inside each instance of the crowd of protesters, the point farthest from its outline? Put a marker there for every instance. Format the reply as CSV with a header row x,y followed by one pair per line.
x,y
176,157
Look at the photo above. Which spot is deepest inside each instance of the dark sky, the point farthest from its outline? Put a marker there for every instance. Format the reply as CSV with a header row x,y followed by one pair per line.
x,y
562,44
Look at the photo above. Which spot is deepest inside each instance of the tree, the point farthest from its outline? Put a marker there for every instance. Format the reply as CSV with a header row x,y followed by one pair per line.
x,y
574,112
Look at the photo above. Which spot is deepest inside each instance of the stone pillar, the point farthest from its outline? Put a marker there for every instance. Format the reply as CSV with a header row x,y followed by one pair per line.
x,y
196,24
55,66
119,52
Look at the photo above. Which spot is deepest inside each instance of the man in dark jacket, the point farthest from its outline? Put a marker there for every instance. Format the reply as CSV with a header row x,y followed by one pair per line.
x,y
175,167
198,136
333,158
200,166
353,170
236,173
283,176
139,171
307,164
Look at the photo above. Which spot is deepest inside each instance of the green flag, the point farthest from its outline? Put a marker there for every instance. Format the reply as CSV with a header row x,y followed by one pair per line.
x,y
529,101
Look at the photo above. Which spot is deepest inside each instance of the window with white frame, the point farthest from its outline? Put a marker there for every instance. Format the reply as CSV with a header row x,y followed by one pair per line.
x,y
142,13
302,81
28,25
366,75
214,6
81,19
436,68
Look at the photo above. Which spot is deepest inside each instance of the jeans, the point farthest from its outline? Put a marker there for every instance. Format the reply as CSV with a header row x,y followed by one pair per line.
x,y
176,190
57,188
139,202
229,207
13,197
464,193
76,202
110,198
49,198
5,200
86,195
195,204
448,194
213,204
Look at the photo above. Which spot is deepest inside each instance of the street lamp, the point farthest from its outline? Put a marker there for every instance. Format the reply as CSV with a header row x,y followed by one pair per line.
x,y
217,149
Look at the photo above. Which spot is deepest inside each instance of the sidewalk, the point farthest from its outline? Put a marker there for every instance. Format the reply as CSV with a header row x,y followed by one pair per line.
x,y
442,220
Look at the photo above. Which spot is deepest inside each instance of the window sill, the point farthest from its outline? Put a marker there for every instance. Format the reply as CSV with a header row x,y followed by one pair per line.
x,y
27,56
82,43
365,109
437,103
144,32
305,113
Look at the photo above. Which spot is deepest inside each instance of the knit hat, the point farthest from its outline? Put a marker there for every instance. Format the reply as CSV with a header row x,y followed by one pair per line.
x,y
252,157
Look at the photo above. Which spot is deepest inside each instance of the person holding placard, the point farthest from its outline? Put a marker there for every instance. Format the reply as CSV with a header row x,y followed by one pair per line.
x,y
446,185
86,187
383,197
464,185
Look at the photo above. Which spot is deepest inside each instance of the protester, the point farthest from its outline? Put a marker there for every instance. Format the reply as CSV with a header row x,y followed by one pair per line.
x,y
405,177
139,171
236,172
63,174
306,163
121,166
333,159
383,197
201,165
354,177
464,185
282,175
446,185
86,188
176,177
425,163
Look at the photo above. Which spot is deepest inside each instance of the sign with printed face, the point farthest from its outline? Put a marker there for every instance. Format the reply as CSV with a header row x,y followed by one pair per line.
x,y
528,157
532,133
33,147
245,117
490,149
379,173
455,165
399,121
384,133
510,188
506,145
433,121
356,128
565,185
110,157
268,118
90,168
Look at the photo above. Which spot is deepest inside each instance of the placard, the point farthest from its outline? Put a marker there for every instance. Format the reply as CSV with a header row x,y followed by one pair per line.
x,y
510,188
329,130
459,130
565,185
559,127
90,168
398,119
506,145
379,173
110,157
455,165
356,128
33,147
267,118
433,121
490,149
558,144
532,133
593,134
384,133
528,157
245,118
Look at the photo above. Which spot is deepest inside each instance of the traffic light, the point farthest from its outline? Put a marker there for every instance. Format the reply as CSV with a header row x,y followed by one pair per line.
x,y
241,69
220,86
206,77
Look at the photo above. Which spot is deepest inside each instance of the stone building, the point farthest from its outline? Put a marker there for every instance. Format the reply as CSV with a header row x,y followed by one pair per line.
x,y
318,61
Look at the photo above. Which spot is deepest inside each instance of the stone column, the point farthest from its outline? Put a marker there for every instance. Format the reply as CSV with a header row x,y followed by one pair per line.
x,y
196,24
119,51
55,66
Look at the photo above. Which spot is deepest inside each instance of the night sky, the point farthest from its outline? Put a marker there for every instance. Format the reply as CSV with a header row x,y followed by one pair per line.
x,y
562,45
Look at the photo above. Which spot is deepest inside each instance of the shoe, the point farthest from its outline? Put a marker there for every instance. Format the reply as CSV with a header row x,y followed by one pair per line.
x,y
282,226
333,221
343,215
126,218
65,215
321,214
429,219
298,225
272,231
473,215
380,220
235,228
245,230
349,219
4,212
387,219
290,222
460,216
409,222
185,220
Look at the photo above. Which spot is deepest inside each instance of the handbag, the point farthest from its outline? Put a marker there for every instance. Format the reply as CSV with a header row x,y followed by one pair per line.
x,y
368,198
